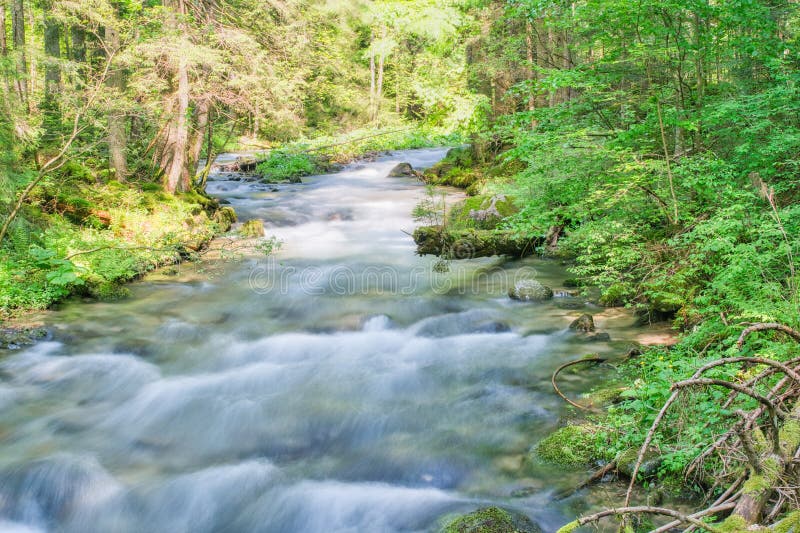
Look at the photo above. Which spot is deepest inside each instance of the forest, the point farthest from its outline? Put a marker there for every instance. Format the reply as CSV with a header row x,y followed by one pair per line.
x,y
650,148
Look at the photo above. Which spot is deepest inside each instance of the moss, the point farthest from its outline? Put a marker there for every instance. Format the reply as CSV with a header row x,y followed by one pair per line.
x,y
252,228
460,215
569,528
225,217
790,435
571,445
788,524
470,243
733,523
491,520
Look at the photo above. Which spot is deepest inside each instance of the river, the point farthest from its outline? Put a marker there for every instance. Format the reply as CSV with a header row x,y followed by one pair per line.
x,y
339,385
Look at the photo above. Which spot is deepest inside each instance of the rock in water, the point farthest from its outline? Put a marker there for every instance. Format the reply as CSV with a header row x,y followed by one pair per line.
x,y
252,228
584,323
530,290
491,520
403,170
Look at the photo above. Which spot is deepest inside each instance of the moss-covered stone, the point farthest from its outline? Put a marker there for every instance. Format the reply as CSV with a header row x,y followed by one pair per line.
x,y
252,228
491,520
225,217
572,445
13,338
584,323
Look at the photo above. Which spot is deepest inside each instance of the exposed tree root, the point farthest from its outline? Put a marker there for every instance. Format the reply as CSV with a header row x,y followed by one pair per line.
x,y
759,456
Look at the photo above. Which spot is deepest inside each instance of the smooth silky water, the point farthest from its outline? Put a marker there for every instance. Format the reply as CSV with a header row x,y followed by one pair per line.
x,y
340,385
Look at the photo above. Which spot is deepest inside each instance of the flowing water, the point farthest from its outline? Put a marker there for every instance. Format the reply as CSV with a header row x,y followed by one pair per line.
x,y
340,385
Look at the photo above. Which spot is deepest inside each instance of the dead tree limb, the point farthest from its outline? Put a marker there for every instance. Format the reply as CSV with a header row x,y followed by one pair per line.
x,y
566,365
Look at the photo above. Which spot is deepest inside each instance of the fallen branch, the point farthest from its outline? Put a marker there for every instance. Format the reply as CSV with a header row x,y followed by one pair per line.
x,y
566,365
598,475
767,326
647,509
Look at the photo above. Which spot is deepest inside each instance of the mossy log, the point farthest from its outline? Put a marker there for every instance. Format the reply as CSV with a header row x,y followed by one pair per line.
x,y
467,244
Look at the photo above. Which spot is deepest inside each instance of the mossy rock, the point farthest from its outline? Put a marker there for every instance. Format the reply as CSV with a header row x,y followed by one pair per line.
x,y
108,291
225,218
491,520
626,462
252,228
530,290
402,170
572,445
14,338
584,323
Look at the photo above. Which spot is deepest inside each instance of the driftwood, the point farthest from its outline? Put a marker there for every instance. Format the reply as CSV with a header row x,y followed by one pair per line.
x,y
567,365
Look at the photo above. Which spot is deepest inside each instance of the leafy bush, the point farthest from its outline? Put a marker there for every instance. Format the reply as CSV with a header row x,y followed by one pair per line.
x,y
285,166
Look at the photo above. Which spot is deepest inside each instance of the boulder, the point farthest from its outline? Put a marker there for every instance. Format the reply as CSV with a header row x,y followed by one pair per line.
x,y
14,338
491,520
252,228
530,290
403,170
225,217
583,324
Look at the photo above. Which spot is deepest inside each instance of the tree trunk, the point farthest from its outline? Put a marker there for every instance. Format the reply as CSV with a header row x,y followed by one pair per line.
x,y
371,86
117,139
78,37
18,30
52,47
379,87
173,160
3,41
198,135
530,50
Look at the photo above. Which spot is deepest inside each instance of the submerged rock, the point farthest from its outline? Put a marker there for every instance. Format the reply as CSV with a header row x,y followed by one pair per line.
x,y
530,290
597,336
584,323
492,520
403,170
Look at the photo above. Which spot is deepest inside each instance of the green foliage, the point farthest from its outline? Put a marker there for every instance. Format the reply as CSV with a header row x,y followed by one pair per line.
x,y
284,166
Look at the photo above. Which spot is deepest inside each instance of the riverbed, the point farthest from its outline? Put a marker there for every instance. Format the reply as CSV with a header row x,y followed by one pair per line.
x,y
341,384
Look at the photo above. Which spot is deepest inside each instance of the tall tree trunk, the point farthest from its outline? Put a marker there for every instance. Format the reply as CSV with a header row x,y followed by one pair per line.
x,y
3,38
174,163
379,87
18,30
372,86
78,37
198,135
117,139
52,47
530,49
